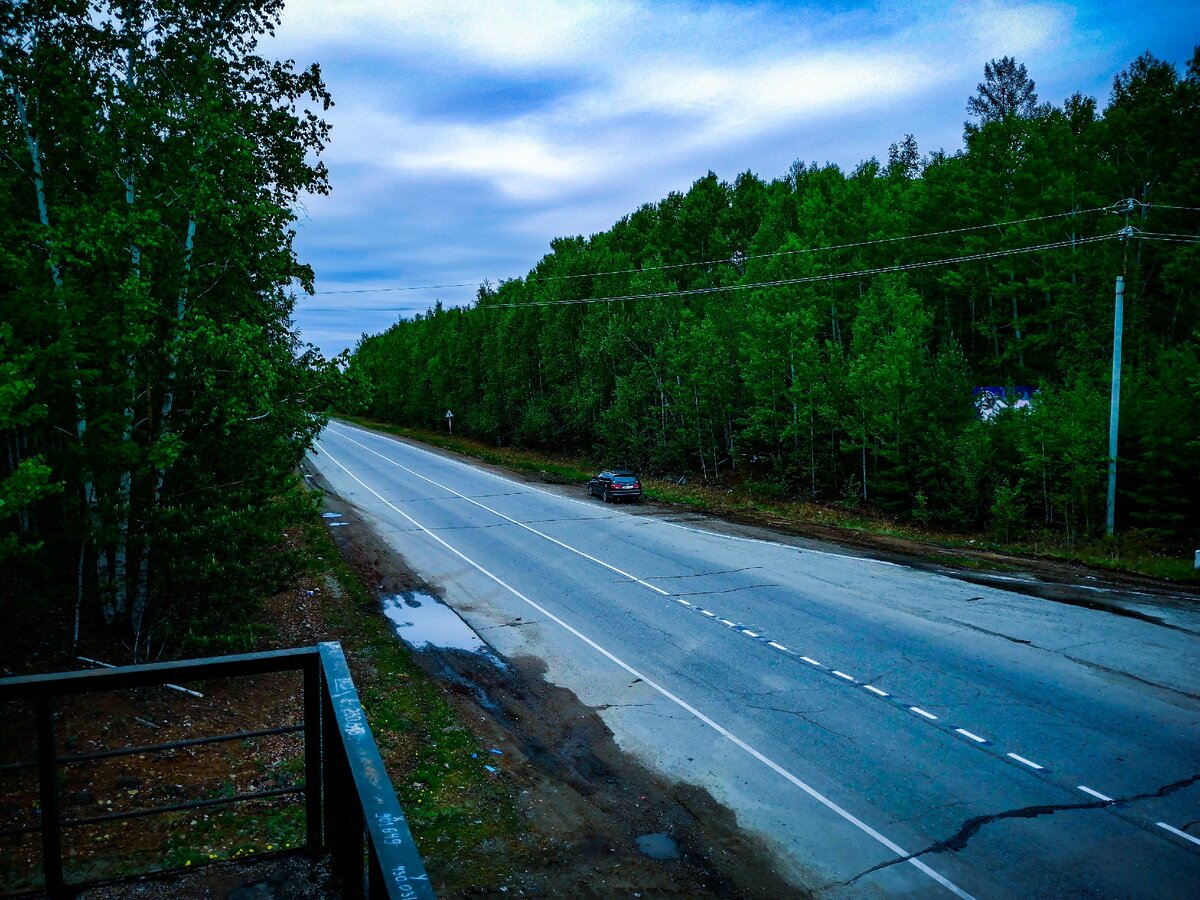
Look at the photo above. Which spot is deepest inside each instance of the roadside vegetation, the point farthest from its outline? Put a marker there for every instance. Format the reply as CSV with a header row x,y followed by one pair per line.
x,y
154,399
807,336
453,803
1138,552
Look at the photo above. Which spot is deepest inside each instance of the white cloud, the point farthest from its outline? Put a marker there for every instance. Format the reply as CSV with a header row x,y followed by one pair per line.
x,y
504,34
469,133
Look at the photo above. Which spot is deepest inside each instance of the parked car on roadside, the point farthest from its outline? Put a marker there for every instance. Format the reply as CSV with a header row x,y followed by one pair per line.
x,y
616,484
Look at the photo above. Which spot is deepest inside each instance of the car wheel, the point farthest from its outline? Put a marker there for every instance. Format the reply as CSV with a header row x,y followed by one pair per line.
x,y
607,496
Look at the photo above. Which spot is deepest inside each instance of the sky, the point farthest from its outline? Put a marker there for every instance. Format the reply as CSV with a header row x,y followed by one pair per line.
x,y
468,134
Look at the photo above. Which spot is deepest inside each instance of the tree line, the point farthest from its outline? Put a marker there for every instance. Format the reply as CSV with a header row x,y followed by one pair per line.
x,y
154,399
808,334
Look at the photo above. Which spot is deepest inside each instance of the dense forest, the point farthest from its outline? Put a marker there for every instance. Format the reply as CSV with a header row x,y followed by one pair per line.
x,y
824,335
154,401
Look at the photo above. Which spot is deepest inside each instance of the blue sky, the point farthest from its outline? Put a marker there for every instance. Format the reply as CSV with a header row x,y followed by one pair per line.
x,y
468,135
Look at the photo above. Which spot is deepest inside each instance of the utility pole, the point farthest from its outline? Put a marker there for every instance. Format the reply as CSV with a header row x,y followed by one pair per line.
x,y
1115,404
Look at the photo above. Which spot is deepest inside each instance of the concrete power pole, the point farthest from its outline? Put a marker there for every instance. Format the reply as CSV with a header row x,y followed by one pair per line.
x,y
1115,405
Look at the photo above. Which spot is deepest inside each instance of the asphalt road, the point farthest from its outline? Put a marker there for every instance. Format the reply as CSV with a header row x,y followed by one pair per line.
x,y
887,731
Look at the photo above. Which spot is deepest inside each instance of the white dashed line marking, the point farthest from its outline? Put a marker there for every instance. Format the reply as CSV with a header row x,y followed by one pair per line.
x,y
1182,834
673,698
1024,761
746,631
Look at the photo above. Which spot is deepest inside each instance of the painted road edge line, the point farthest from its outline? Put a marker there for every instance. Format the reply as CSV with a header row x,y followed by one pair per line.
x,y
678,701
1096,794
1182,834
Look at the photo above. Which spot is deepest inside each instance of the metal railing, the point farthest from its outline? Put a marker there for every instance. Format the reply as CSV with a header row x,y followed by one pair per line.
x,y
351,810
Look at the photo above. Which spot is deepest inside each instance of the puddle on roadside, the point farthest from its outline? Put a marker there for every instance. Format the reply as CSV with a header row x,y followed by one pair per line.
x,y
422,621
659,845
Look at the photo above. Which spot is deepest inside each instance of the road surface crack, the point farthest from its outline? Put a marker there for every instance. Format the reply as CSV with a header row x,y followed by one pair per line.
x,y
745,587
1145,681
988,631
798,714
701,574
959,840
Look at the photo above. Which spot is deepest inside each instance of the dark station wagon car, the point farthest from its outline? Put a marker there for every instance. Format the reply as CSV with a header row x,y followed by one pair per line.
x,y
616,484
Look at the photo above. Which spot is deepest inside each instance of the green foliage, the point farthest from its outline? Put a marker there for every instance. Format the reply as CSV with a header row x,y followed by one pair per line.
x,y
152,161
859,389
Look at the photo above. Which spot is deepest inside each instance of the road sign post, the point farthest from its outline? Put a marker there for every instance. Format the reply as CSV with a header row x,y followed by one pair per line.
x,y
450,421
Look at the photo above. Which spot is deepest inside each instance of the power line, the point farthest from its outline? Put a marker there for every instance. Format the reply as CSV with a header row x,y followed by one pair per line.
x,y
1171,206
809,279
389,290
739,259
1174,238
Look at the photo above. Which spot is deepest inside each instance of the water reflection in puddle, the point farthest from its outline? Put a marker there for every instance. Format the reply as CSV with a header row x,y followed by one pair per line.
x,y
658,846
421,620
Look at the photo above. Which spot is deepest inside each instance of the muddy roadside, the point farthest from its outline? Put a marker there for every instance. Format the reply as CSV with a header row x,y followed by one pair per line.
x,y
592,821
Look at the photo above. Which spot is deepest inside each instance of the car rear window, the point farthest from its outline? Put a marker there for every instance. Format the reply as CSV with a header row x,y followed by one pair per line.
x,y
625,479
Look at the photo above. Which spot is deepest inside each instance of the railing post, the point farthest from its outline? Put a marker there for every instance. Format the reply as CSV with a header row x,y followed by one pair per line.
x,y
376,886
343,816
312,756
48,786
395,868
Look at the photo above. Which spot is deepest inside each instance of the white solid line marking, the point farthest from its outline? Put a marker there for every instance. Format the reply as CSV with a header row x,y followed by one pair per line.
x,y
921,712
749,633
843,675
1096,794
589,503
1028,762
681,600
1182,834
510,519
812,662
875,690
776,646
976,738
681,703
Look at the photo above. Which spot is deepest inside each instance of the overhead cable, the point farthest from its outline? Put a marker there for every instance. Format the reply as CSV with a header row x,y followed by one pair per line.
x,y
741,258
809,279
